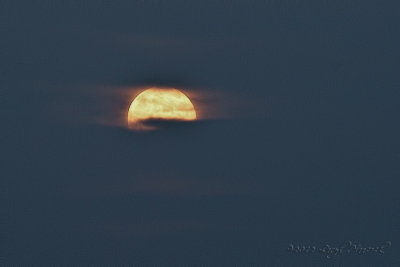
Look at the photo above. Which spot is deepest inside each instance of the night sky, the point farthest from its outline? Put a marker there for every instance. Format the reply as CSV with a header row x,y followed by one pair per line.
x,y
298,141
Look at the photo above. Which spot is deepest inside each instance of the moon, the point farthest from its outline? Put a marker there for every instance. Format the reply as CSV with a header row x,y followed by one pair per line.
x,y
160,104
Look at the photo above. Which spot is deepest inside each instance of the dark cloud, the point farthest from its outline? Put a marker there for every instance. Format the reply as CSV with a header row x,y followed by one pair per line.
x,y
297,142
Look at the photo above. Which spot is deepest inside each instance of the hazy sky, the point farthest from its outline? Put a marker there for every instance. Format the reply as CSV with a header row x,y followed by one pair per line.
x,y
300,145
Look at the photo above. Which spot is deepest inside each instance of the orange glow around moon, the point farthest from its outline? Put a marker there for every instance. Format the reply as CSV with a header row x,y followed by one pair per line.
x,y
160,104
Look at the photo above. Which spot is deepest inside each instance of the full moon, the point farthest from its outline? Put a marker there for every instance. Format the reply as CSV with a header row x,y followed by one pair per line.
x,y
160,104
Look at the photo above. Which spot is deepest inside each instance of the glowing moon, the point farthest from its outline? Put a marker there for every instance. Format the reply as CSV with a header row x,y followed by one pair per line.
x,y
160,104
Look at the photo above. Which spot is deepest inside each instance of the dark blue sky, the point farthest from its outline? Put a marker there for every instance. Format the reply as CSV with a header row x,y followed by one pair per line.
x,y
307,152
